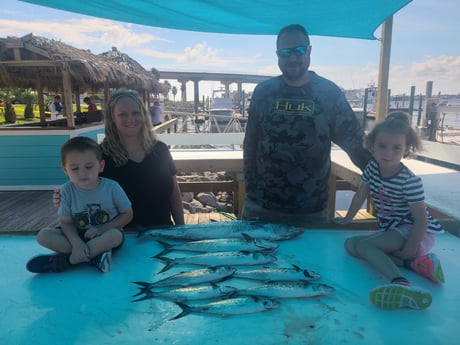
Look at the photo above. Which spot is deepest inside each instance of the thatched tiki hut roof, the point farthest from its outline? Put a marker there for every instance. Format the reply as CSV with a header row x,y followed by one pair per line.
x,y
129,65
52,66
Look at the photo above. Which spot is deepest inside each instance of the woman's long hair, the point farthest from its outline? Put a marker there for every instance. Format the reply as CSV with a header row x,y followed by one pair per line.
x,y
112,145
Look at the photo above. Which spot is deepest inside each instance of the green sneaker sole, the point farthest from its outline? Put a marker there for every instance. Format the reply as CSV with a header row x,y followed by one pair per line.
x,y
395,296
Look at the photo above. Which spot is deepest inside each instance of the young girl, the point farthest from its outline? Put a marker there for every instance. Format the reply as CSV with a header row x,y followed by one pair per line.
x,y
406,234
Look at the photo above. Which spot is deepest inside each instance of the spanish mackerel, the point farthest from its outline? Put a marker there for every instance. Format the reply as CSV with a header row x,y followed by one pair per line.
x,y
189,293
193,277
220,259
278,273
232,229
247,243
288,289
230,307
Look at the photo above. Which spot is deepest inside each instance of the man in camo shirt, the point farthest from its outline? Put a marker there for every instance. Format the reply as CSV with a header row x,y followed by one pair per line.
x,y
292,120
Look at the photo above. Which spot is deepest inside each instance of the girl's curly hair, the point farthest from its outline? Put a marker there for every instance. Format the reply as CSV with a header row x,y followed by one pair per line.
x,y
397,122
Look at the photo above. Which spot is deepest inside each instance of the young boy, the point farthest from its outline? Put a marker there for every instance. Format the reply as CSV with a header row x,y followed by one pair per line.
x,y
92,213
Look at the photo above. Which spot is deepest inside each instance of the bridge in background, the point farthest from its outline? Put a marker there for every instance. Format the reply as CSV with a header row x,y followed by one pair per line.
x,y
225,78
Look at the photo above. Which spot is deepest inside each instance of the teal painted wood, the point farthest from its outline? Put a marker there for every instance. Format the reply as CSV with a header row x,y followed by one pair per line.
x,y
31,160
27,151
32,139
92,134
53,173
52,161
34,158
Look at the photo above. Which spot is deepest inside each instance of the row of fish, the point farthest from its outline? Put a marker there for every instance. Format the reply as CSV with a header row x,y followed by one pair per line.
x,y
218,230
275,289
220,247
292,283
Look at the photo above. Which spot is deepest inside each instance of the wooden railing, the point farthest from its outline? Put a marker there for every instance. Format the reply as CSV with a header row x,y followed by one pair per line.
x,y
169,126
440,183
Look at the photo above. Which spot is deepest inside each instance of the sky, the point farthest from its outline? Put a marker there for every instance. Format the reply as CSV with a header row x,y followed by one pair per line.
x,y
425,47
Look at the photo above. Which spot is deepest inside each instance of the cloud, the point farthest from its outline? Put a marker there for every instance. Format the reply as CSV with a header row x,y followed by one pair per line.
x,y
200,56
443,71
349,77
97,34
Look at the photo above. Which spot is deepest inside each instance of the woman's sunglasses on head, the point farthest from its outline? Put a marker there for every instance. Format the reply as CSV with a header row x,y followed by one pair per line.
x,y
298,51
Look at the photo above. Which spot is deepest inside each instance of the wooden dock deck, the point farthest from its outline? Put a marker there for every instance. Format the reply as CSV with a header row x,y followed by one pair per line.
x,y
26,212
29,211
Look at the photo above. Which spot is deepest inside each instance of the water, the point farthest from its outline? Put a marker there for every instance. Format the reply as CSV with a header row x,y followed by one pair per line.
x,y
449,119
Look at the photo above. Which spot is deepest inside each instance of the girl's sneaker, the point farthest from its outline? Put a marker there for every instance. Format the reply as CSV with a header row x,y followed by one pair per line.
x,y
428,266
48,263
397,296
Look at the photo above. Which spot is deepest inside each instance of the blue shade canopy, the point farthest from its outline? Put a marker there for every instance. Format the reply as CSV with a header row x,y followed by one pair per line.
x,y
339,18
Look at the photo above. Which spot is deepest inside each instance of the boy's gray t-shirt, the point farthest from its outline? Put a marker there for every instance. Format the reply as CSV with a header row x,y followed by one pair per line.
x,y
93,207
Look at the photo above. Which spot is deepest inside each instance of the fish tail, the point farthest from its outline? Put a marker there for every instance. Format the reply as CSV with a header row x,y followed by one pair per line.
x,y
144,289
166,249
148,294
247,237
142,234
169,263
185,310
143,284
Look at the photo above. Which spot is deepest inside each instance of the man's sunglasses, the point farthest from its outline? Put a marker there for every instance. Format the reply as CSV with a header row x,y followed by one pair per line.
x,y
298,51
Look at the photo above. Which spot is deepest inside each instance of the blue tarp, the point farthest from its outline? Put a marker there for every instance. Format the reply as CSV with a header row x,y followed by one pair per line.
x,y
340,18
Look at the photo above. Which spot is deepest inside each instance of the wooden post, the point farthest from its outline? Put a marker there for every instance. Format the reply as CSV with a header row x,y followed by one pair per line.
x,y
419,114
411,103
332,194
366,97
428,94
382,86
67,90
106,96
41,103
77,98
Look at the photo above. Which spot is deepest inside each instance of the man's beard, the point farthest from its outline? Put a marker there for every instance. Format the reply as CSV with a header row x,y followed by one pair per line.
x,y
299,74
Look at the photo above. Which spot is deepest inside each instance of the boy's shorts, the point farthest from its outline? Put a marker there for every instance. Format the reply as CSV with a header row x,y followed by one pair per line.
x,y
81,233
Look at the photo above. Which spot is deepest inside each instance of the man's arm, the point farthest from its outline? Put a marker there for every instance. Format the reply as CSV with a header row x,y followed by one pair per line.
x,y
349,135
